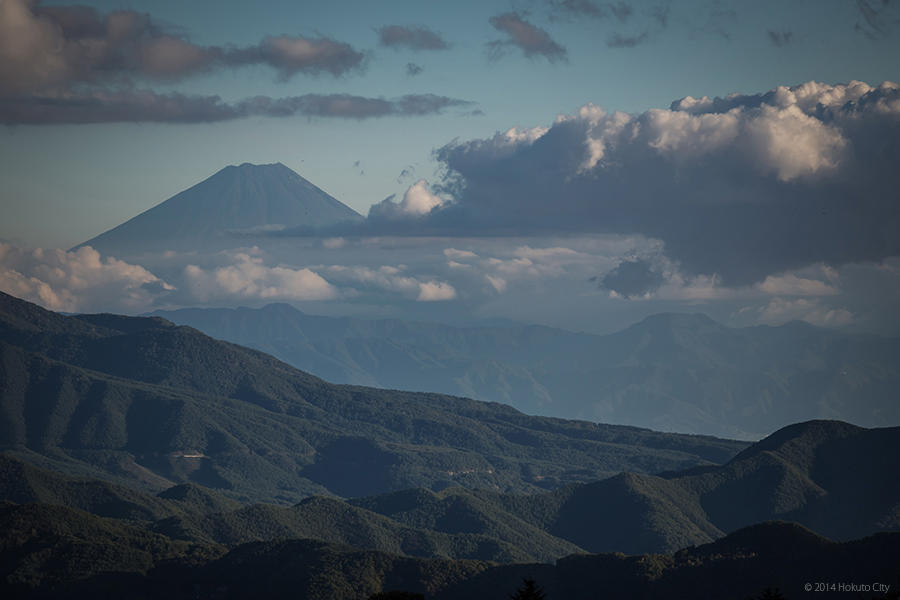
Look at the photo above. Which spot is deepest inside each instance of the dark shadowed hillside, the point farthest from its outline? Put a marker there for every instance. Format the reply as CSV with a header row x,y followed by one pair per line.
x,y
827,476
153,404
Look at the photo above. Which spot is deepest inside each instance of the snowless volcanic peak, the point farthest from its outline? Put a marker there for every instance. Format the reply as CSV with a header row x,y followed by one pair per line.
x,y
237,200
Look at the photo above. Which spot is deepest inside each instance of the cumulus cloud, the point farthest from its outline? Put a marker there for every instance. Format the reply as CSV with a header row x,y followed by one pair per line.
x,y
435,291
779,311
247,277
530,39
790,284
137,106
413,37
393,279
78,281
740,187
417,201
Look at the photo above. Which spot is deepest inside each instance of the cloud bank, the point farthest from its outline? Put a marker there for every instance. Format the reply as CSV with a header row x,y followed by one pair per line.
x,y
741,187
49,48
77,281
247,277
145,106
71,64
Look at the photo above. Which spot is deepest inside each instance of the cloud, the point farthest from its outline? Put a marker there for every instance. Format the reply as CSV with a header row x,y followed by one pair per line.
x,y
790,284
435,291
632,278
780,39
741,187
334,243
873,22
78,281
459,254
72,64
417,202
412,69
531,40
290,55
248,278
137,106
627,41
779,311
53,49
599,10
414,37
391,279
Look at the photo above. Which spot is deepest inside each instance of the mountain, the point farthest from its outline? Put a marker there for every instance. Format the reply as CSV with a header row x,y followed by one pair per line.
x,y
151,404
831,477
671,372
236,200
55,552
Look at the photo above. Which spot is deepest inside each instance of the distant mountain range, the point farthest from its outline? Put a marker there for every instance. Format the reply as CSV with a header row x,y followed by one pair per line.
x,y
143,401
238,200
671,372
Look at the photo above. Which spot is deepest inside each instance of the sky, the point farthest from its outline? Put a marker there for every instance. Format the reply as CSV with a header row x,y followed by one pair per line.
x,y
571,162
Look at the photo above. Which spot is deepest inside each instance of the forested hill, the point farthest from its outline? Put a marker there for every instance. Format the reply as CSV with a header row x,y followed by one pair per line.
x,y
142,401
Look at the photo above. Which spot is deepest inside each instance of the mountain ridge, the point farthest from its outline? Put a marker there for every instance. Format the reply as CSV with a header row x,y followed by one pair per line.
x,y
671,371
142,401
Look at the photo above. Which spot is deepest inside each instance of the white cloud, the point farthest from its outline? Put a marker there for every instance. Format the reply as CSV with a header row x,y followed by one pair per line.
x,y
459,254
781,310
433,291
248,277
77,281
417,201
790,284
391,279
498,283
790,143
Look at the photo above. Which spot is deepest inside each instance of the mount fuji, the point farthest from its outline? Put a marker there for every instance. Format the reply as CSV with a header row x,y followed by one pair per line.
x,y
238,200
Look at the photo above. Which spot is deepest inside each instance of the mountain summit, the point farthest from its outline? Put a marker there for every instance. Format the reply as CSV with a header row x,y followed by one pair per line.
x,y
236,200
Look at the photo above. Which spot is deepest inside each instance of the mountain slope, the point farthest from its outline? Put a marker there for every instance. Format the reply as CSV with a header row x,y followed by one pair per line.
x,y
831,477
828,476
61,553
671,372
143,401
240,199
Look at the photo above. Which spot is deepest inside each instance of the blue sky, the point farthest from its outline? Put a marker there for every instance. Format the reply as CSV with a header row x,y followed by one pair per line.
x,y
110,110
64,184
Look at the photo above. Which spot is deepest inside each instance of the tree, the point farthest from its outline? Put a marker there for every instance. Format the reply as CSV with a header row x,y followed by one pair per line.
x,y
529,590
